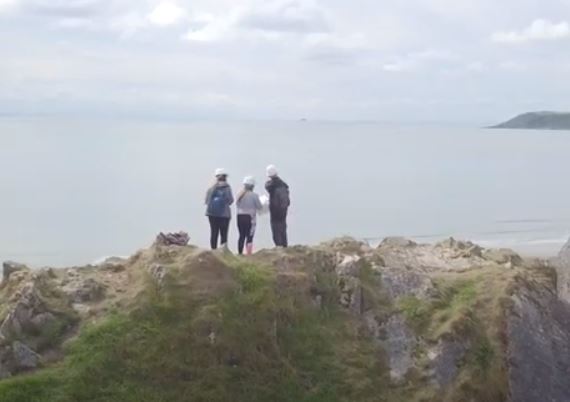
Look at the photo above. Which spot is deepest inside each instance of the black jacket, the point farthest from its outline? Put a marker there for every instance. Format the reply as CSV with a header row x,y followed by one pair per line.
x,y
276,211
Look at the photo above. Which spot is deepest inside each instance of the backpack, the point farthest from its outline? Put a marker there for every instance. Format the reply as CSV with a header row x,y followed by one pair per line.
x,y
218,203
281,199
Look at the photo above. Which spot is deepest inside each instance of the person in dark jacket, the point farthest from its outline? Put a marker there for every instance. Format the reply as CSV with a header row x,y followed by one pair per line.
x,y
279,203
219,198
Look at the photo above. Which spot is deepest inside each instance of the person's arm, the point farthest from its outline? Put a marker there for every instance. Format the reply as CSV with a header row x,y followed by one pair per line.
x,y
230,196
208,196
258,204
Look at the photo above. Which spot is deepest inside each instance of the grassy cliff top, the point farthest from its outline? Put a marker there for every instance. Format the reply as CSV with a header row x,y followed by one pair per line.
x,y
338,322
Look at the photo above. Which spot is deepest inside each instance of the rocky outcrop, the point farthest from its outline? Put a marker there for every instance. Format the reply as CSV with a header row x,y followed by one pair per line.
x,y
449,322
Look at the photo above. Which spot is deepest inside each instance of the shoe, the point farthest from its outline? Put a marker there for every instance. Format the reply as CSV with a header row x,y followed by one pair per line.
x,y
249,249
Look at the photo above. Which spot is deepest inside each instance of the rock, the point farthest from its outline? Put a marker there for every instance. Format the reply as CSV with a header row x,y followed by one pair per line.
x,y
172,239
18,319
398,242
347,245
113,264
17,357
349,284
42,321
562,266
48,272
24,357
459,249
402,282
157,273
400,343
349,265
84,291
350,294
538,355
444,361
503,256
82,309
9,267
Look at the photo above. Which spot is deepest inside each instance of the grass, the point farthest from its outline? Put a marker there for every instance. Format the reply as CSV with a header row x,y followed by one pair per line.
x,y
252,344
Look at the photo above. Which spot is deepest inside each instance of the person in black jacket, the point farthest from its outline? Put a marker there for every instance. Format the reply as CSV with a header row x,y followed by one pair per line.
x,y
279,203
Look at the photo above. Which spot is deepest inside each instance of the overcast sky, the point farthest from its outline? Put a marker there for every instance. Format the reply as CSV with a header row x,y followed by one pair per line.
x,y
395,60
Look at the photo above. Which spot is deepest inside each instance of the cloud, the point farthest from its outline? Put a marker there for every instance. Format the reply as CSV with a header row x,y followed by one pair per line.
x,y
210,28
166,13
6,5
419,60
276,58
262,19
539,30
335,48
511,66
286,17
63,8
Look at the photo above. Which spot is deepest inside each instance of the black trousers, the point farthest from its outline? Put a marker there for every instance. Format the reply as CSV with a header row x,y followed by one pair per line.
x,y
279,230
218,228
245,233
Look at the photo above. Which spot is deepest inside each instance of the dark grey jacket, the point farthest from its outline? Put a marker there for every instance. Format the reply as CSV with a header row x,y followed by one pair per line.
x,y
277,212
228,196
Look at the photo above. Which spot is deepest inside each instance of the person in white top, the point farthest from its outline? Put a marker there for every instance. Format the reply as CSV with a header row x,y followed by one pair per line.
x,y
248,205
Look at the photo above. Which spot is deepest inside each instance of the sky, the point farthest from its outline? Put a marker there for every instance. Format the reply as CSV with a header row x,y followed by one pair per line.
x,y
477,61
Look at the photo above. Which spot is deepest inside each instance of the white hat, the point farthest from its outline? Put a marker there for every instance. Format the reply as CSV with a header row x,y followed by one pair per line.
x,y
249,181
271,171
220,172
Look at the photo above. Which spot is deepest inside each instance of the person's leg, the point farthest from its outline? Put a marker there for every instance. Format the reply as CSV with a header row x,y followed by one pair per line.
x,y
214,231
224,228
284,239
250,235
275,231
242,228
280,232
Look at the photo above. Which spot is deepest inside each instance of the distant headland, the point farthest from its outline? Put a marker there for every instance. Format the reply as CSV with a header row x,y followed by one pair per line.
x,y
538,121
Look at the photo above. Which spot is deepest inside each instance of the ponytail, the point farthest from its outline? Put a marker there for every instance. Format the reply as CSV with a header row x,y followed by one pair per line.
x,y
245,190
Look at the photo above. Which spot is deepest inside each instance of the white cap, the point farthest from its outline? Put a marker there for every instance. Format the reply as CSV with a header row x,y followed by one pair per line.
x,y
220,172
271,171
249,181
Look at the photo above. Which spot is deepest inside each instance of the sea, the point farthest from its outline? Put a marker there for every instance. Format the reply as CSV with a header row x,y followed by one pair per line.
x,y
76,190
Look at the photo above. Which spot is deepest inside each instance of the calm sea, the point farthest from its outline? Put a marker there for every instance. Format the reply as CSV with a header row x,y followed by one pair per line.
x,y
73,191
